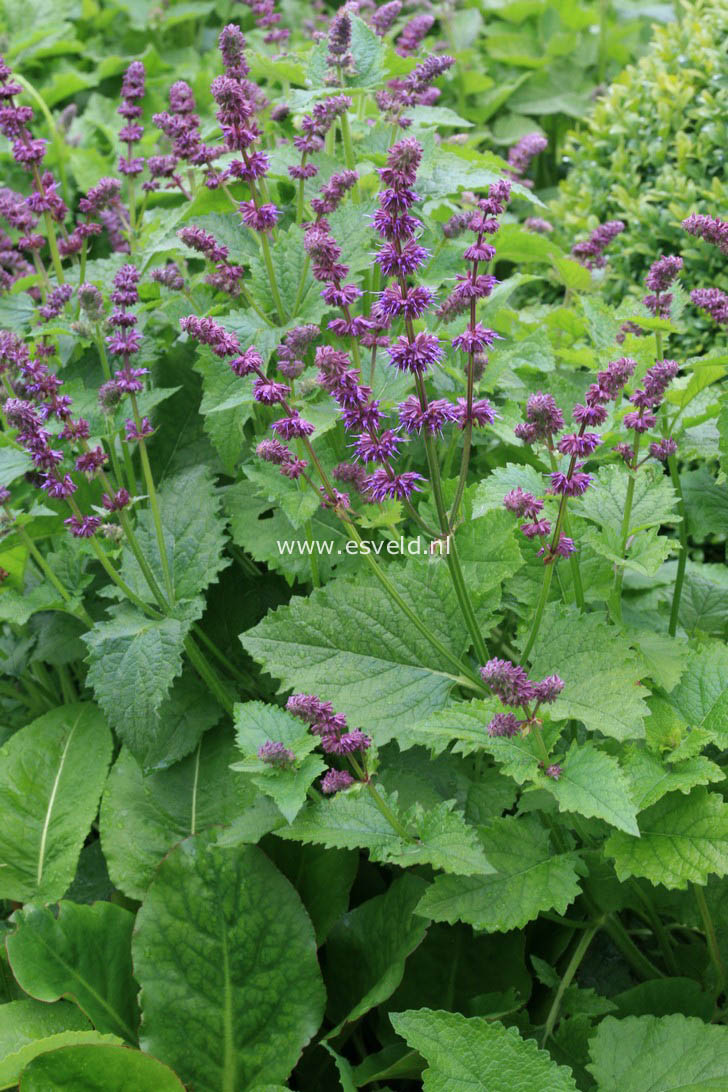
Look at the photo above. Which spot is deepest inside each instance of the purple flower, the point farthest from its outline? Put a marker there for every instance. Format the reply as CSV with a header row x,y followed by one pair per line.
x,y
83,526
549,689
589,415
713,301
591,252
663,272
133,433
570,485
247,363
273,451
416,356
210,333
710,228
335,781
414,32
504,724
543,419
579,443
115,503
276,754
269,392
92,461
555,771
538,529
383,18
522,503
309,708
291,427
262,218
508,681
538,226
481,413
412,303
663,449
380,485
474,339
347,743
294,468
203,242
521,154
232,47
431,419
58,488
371,448
56,301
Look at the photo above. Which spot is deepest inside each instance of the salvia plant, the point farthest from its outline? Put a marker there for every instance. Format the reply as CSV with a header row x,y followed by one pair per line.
x,y
363,599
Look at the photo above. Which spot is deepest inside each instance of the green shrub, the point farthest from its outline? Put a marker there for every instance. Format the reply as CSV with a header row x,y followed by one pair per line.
x,y
654,151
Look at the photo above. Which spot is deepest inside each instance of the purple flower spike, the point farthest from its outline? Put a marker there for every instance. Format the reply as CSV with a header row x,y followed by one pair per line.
x,y
662,449
508,681
381,486
276,754
335,781
549,689
504,724
554,772
522,503
83,526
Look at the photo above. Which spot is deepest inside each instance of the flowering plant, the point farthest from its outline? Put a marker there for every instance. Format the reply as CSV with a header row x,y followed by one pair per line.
x,y
274,778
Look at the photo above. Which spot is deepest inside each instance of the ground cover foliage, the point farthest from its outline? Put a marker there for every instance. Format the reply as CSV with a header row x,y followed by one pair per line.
x,y
363,595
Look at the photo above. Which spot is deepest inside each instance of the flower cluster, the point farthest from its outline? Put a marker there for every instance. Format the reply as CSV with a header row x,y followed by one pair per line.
x,y
132,90
522,153
714,231
314,127
181,125
512,686
591,252
413,34
661,275
383,18
335,735
649,396
415,89
227,276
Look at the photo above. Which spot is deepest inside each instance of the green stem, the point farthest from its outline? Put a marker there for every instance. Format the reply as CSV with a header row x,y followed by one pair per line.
x,y
119,581
683,558
573,558
153,502
711,938
301,285
574,963
53,244
658,929
267,258
381,804
47,571
624,536
208,675
540,607
58,143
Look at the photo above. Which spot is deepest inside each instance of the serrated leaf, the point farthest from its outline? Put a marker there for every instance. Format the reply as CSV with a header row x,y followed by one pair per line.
x,y
490,492
17,607
98,1068
194,532
486,569
368,50
702,693
593,784
650,778
138,657
188,711
653,503
659,1054
82,955
256,724
52,772
645,553
14,462
362,975
352,646
529,878
297,505
294,279
248,994
601,674
351,819
143,817
474,1055
683,838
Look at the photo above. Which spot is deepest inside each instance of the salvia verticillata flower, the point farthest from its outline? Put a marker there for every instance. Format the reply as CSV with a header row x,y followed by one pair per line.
x,y
168,275
661,449
336,781
413,34
521,155
132,90
383,18
713,301
276,754
537,225
512,686
591,252
412,90
340,57
710,228
661,275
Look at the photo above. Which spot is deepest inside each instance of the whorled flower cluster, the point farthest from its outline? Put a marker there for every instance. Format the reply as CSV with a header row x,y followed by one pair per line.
x,y
336,738
513,688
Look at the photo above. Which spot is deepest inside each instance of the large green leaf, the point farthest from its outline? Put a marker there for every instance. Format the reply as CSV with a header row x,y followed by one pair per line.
x,y
659,1054
529,878
51,776
256,724
24,1025
322,877
363,974
683,838
702,693
98,1068
474,1055
438,836
194,532
653,503
593,784
84,955
134,660
293,277
143,817
650,778
13,1065
601,674
351,645
226,958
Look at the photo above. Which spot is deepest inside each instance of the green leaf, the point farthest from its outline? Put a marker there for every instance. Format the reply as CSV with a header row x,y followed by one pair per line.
x,y
143,817
24,1025
653,503
474,1055
13,462
322,877
490,492
51,775
17,607
290,265
593,784
573,276
485,570
682,838
368,51
351,819
297,505
601,674
529,878
82,955
363,974
186,713
194,532
659,1054
13,1065
247,990
98,1069
137,657
650,778
702,693
256,724
352,646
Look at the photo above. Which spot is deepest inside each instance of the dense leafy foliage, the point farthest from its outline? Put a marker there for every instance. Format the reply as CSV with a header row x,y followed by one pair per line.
x,y
362,569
